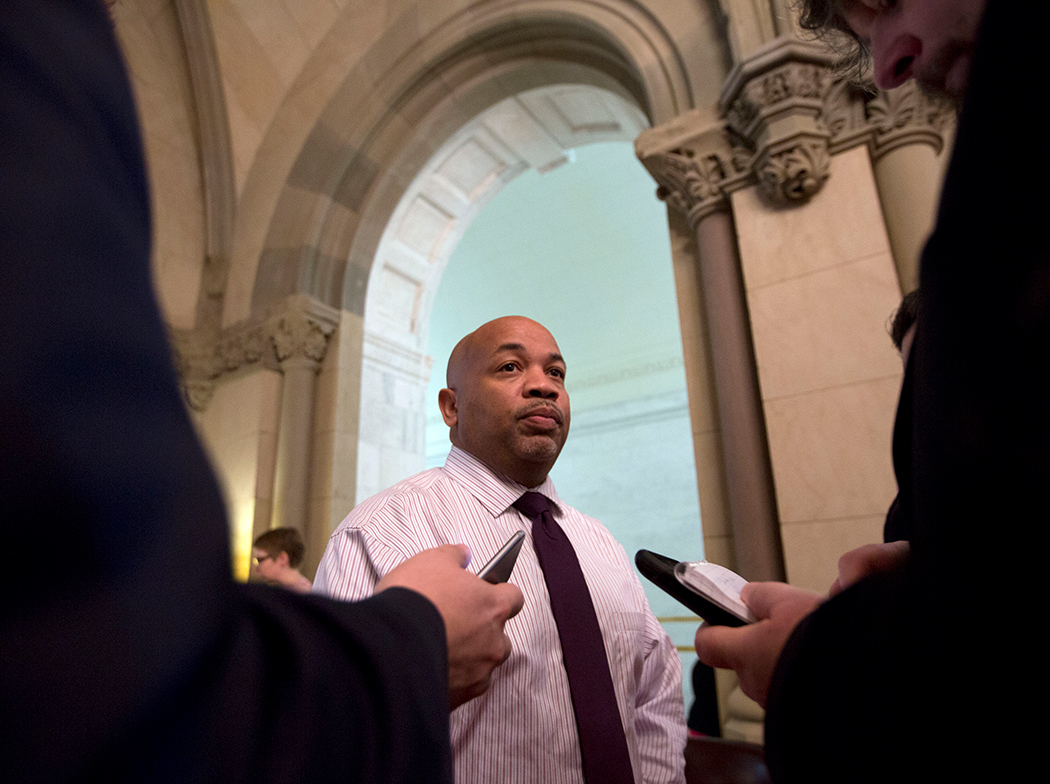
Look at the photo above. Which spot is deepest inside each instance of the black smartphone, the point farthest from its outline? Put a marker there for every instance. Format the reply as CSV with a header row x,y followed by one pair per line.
x,y
499,567
714,606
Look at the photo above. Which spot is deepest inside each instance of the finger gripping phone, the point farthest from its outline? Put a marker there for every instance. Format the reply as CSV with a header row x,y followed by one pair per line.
x,y
709,590
499,567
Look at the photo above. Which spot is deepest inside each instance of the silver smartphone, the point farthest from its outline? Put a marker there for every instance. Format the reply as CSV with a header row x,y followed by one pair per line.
x,y
499,567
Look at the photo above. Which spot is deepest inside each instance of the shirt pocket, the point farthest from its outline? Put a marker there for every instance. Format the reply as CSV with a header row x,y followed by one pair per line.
x,y
628,645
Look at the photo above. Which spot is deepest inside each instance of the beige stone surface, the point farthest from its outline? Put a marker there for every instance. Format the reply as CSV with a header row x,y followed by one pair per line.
x,y
812,549
831,451
150,37
842,223
826,328
909,180
239,431
710,482
821,286
342,380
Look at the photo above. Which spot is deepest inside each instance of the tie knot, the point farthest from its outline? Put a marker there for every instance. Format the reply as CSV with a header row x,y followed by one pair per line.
x,y
533,504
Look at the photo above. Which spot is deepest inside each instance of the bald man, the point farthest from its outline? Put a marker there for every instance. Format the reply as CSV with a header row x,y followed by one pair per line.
x,y
508,415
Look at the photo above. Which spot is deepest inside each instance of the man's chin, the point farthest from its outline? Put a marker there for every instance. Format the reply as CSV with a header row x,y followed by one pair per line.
x,y
539,449
947,76
940,92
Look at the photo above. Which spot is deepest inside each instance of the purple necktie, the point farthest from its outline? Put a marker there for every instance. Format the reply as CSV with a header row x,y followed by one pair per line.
x,y
603,746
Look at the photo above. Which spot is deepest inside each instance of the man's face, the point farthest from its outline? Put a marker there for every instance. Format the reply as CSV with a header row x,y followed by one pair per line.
x,y
506,403
930,40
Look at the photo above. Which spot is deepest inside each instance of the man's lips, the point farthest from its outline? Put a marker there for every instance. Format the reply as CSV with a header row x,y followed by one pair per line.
x,y
543,416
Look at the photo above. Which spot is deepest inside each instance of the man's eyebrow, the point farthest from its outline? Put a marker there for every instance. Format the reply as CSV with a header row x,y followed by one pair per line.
x,y
554,356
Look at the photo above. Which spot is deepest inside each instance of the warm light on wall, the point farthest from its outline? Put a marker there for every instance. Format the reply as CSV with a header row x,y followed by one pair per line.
x,y
241,515
232,431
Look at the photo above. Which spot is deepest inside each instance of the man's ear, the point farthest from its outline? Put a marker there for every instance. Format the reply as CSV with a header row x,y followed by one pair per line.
x,y
447,404
282,559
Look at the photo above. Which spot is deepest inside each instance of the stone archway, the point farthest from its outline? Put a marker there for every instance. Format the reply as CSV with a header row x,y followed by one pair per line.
x,y
350,178
533,129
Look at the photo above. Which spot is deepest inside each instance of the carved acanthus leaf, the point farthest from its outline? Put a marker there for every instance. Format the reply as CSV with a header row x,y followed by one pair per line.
x,y
793,175
299,332
907,115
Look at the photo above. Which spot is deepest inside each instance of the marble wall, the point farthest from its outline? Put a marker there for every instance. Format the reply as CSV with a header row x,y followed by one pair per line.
x,y
239,430
821,286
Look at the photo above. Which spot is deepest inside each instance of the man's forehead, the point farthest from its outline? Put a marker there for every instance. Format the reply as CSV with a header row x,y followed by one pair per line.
x,y
510,333
518,331
513,347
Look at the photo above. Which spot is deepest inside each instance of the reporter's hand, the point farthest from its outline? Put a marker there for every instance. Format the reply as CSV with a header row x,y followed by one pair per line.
x,y
753,650
857,564
473,610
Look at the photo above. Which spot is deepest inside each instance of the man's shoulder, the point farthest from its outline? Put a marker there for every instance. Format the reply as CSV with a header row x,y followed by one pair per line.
x,y
583,520
595,532
412,494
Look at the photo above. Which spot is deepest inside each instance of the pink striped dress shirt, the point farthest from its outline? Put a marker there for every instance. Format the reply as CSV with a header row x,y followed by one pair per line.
x,y
523,730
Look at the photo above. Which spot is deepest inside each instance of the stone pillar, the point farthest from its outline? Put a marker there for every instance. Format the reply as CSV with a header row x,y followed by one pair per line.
x,y
692,168
908,136
299,334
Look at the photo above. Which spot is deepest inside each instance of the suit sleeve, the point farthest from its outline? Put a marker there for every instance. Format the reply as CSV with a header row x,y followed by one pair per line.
x,y
129,652
924,673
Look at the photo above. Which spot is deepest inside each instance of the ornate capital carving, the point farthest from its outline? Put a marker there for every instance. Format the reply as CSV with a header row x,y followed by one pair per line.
x,y
884,120
787,110
695,170
195,364
773,104
907,115
297,332
794,173
301,330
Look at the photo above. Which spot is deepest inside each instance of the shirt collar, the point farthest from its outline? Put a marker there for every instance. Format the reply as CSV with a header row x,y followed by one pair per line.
x,y
497,493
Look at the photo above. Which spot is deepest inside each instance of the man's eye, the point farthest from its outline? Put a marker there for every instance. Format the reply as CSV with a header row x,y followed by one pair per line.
x,y
557,372
508,366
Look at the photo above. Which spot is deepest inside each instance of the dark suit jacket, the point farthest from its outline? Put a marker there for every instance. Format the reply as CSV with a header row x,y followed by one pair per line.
x,y
126,650
931,673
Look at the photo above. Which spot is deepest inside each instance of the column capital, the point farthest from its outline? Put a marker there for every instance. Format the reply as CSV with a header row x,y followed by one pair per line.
x,y
786,110
300,329
773,104
695,166
294,333
885,120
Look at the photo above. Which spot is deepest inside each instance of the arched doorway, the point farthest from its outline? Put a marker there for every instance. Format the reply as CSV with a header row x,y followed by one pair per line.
x,y
558,222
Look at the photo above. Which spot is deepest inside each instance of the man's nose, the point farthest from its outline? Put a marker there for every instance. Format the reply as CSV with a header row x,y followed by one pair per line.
x,y
894,52
894,70
539,384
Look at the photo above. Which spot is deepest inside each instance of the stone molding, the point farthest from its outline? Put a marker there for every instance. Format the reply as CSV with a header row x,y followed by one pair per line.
x,y
787,111
295,334
216,156
390,355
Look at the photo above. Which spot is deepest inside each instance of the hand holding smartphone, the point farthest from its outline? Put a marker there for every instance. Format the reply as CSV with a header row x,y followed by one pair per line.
x,y
709,590
499,567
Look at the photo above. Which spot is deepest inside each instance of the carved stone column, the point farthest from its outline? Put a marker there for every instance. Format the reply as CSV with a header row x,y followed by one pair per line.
x,y
905,132
906,141
299,334
695,170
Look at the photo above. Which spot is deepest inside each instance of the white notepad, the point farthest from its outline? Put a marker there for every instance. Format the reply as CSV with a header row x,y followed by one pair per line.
x,y
722,586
